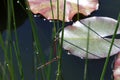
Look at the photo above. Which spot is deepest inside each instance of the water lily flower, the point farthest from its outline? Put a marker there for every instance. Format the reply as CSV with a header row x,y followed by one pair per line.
x,y
116,71
44,8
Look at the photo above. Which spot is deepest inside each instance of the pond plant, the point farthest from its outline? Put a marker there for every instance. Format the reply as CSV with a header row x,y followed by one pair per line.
x,y
89,38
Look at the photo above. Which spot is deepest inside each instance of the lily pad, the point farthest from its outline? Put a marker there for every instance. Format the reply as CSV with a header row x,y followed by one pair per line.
x,y
75,37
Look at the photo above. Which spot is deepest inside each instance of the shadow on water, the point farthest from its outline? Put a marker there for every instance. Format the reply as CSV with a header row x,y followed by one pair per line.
x,y
20,14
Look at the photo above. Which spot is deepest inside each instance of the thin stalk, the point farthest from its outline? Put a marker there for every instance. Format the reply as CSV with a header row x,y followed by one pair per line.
x,y
38,49
35,67
18,1
46,64
52,9
7,60
59,71
7,47
57,9
18,60
78,10
57,14
107,59
86,60
39,58
3,73
16,46
11,61
5,70
52,45
4,67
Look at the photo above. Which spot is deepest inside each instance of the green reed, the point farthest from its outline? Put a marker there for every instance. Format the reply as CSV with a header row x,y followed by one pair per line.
x,y
7,45
53,42
59,71
16,44
39,56
86,60
107,59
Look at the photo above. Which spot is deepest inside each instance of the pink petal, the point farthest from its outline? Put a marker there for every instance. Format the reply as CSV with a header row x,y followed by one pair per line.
x,y
43,7
116,71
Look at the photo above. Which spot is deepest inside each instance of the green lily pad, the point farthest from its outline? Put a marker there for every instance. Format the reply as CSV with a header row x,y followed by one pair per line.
x,y
75,37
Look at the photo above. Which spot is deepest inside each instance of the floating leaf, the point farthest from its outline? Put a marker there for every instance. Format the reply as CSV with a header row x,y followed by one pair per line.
x,y
100,28
43,7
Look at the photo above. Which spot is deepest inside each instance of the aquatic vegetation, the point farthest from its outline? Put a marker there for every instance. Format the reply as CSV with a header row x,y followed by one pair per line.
x,y
101,28
94,38
89,38
57,6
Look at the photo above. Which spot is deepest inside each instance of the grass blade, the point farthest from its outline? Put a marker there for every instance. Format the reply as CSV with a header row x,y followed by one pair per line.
x,y
86,60
38,50
15,44
59,71
107,59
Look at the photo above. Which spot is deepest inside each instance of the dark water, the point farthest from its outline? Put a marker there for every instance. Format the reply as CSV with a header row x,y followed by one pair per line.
x,y
73,67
